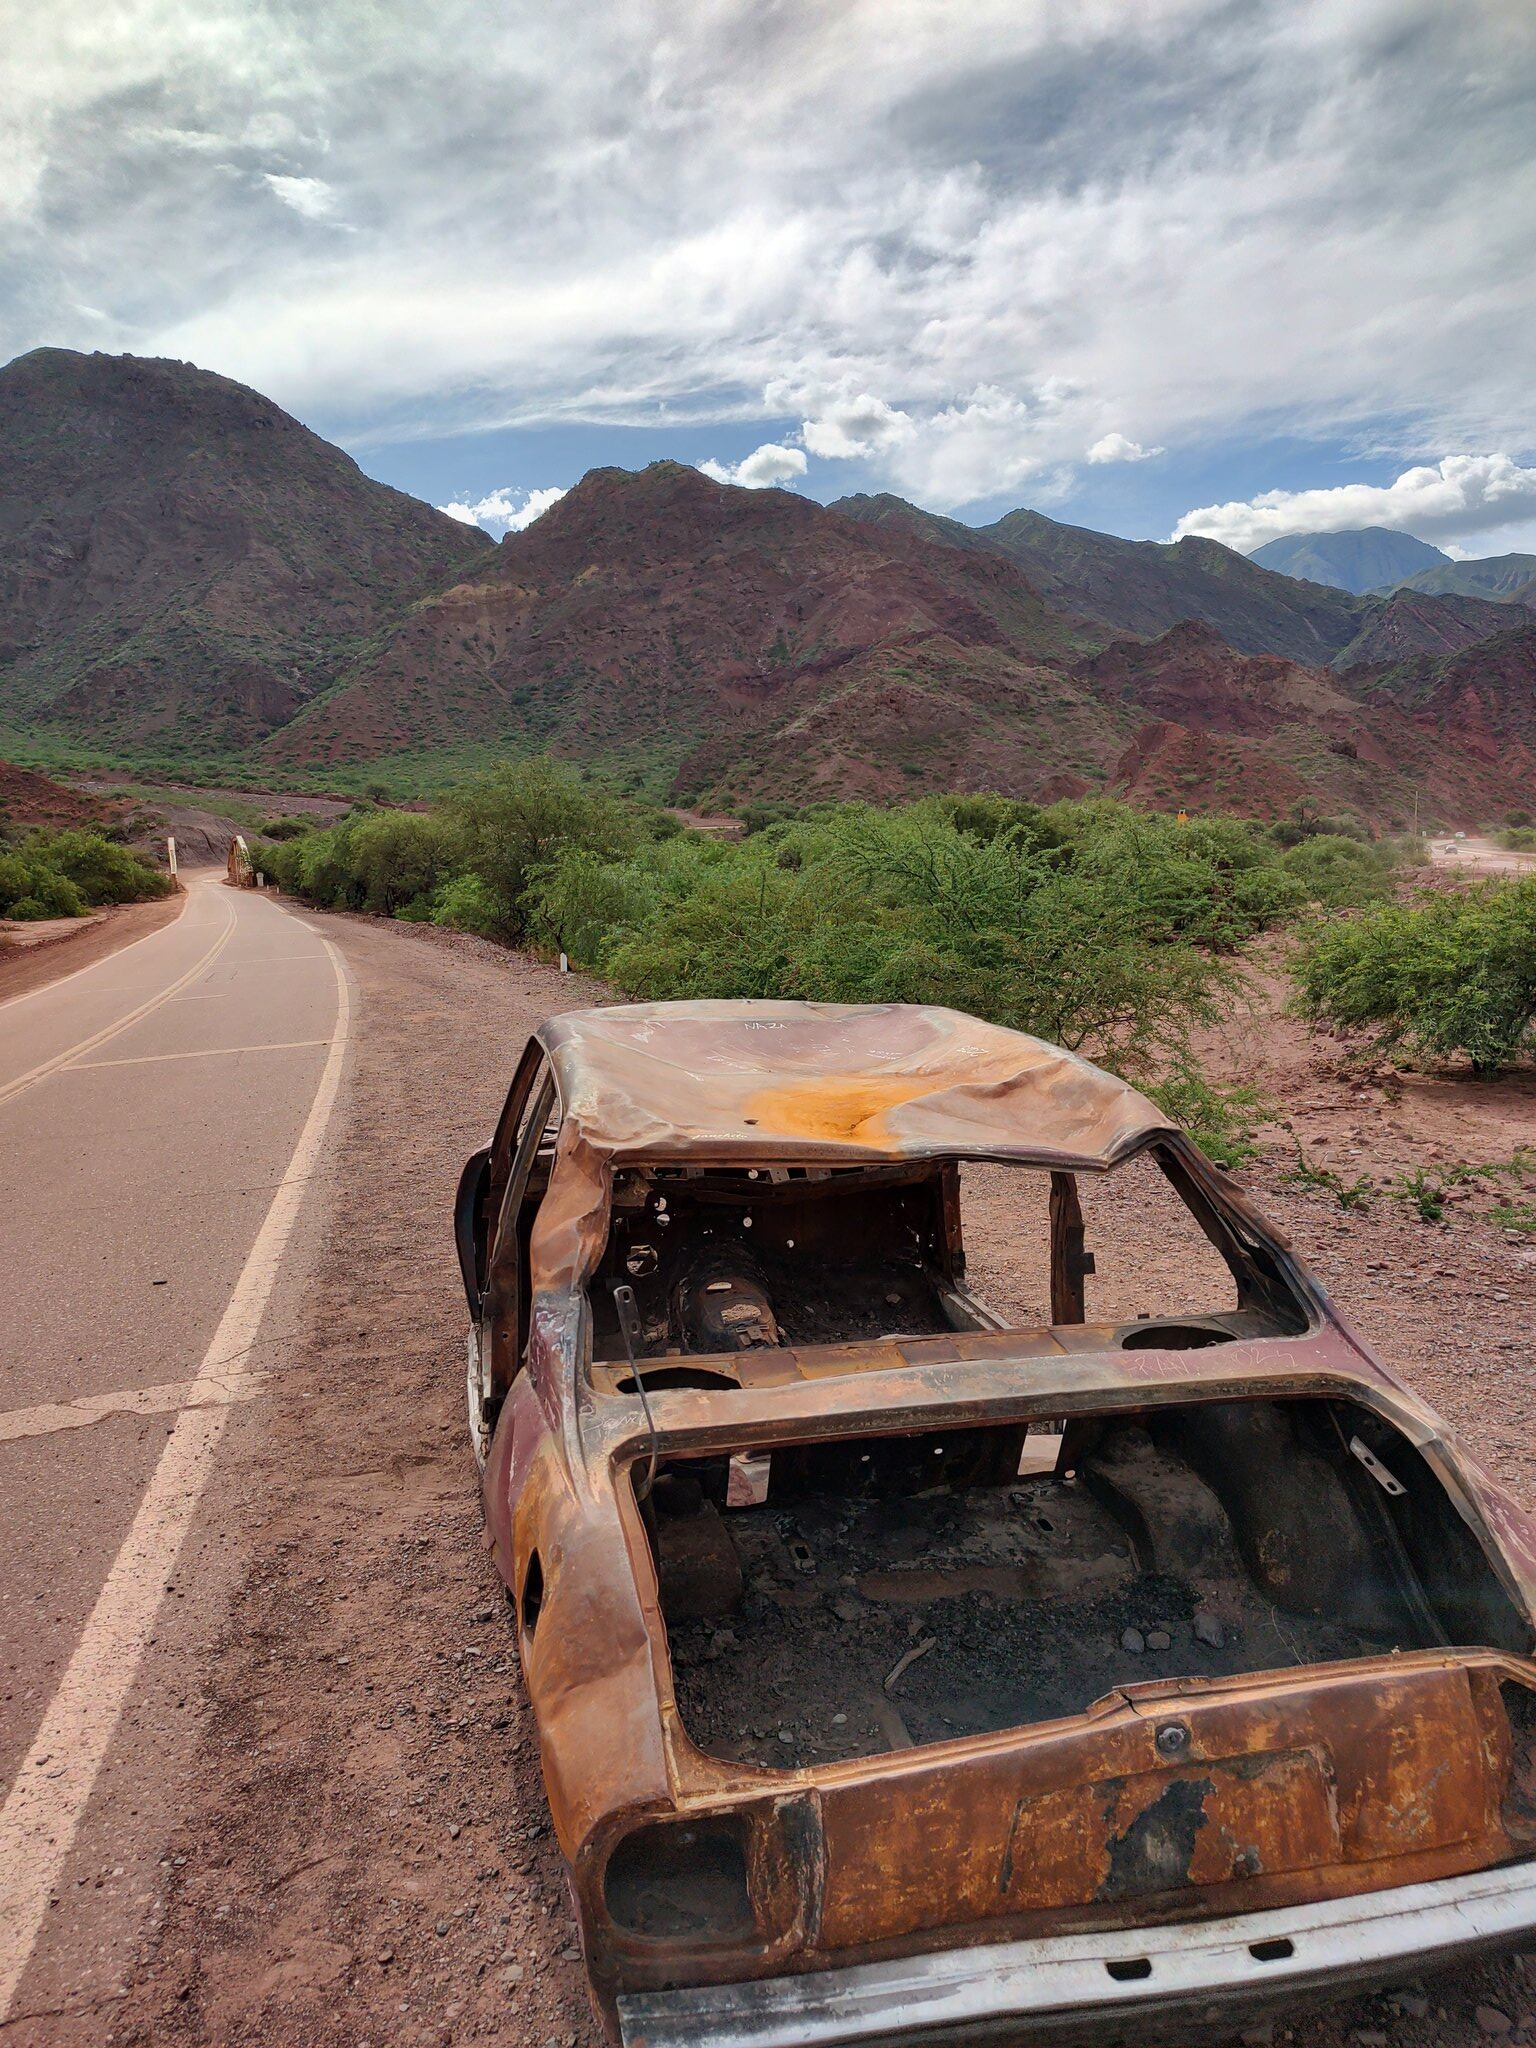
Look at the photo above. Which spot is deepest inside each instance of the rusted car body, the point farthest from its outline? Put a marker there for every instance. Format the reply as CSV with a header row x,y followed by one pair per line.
x,y
903,1671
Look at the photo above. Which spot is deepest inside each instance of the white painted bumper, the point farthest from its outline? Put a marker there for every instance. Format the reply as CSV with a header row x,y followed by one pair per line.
x,y
1104,1988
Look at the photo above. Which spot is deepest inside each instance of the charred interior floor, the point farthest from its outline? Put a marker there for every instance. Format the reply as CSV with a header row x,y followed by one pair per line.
x,y
907,1591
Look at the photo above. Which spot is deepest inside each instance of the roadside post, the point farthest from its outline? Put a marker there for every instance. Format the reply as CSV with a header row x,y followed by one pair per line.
x,y
170,855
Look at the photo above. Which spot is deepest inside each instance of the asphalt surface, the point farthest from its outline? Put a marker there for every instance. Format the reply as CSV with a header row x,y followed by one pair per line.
x,y
150,1109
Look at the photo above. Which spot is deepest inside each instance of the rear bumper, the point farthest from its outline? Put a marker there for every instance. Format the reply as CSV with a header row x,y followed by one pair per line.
x,y
1204,1974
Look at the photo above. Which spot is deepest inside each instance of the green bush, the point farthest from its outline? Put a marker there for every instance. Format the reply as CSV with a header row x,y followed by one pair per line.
x,y
1518,839
464,904
101,871
1089,923
515,820
1340,873
30,890
1446,974
64,874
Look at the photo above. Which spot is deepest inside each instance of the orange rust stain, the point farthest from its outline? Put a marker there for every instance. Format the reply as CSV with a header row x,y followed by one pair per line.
x,y
846,1109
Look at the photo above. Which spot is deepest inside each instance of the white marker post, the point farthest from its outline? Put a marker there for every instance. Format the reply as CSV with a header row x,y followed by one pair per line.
x,y
170,854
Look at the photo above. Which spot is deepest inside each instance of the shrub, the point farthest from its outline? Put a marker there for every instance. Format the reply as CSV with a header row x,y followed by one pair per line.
x,y
101,871
1454,973
1340,873
1518,839
464,904
64,874
29,890
515,820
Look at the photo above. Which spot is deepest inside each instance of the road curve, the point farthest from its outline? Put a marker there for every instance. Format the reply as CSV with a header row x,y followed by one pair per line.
x,y
160,1115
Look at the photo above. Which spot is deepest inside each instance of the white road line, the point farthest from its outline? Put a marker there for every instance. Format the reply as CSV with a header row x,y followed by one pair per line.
x,y
49,1417
42,1812
201,1052
106,960
62,1059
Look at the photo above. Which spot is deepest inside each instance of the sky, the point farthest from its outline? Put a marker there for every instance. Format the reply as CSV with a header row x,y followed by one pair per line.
x,y
1236,267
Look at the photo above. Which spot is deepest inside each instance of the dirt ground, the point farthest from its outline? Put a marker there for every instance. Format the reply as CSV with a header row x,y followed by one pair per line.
x,y
364,1857
33,955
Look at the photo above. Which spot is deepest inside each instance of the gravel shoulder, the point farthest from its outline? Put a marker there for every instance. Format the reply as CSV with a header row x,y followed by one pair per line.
x,y
27,964
364,1856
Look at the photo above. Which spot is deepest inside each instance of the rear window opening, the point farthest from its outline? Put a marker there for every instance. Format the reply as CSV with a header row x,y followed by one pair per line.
x,y
885,1592
725,1262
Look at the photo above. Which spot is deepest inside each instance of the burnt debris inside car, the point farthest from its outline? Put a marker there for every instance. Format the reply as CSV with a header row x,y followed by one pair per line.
x,y
1032,1639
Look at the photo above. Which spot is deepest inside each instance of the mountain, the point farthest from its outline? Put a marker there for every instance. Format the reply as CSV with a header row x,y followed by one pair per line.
x,y
28,799
1144,586
183,566
1367,558
180,561
1504,578
1251,732
1481,699
1409,623
657,619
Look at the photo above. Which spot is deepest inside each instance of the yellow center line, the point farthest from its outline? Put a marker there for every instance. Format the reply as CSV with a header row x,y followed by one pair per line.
x,y
202,1052
73,1052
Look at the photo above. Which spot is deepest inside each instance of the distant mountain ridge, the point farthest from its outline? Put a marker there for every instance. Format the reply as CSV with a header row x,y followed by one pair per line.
x,y
1364,558
1145,586
1506,579
183,563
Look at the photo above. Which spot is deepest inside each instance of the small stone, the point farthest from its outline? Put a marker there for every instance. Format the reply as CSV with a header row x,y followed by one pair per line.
x,y
442,1928
1492,2021
839,1720
1411,2005
846,1609
1370,2037
570,1955
786,1735
1208,1630
386,1955
511,1970
1134,1641
1259,2037
454,1829
1158,1639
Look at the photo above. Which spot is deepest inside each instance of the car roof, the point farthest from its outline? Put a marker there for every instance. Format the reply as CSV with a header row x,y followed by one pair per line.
x,y
738,1082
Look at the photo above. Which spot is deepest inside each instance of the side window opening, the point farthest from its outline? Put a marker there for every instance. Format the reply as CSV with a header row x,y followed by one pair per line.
x,y
725,1261
532,1601
527,1180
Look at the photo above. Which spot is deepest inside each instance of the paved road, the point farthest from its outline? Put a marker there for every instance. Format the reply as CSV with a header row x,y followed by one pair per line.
x,y
158,1113
1478,856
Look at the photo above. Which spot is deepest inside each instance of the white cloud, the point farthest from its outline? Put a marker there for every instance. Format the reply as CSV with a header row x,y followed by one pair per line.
x,y
983,443
1116,448
1197,218
1459,495
506,510
310,198
764,467
852,424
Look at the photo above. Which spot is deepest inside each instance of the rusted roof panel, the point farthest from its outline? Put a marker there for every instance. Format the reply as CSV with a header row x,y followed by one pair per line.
x,y
739,1080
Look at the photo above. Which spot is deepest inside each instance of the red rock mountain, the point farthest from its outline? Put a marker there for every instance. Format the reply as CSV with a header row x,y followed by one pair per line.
x,y
1251,733
182,562
1481,699
184,566
659,616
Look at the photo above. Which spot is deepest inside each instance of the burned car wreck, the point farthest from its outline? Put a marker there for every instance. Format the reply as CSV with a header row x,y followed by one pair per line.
x,y
905,1669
